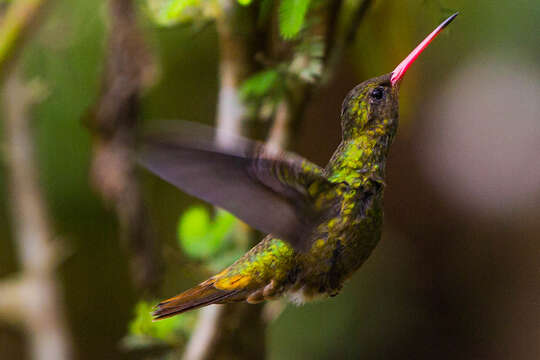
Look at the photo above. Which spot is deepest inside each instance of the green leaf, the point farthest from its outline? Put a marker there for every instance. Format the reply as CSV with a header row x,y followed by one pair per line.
x,y
171,12
143,331
194,223
201,238
223,225
292,15
193,228
245,2
259,84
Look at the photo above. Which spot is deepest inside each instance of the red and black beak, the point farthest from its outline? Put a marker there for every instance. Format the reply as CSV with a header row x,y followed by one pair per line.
x,y
400,70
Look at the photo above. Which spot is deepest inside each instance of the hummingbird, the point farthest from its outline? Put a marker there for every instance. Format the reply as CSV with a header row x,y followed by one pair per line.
x,y
323,223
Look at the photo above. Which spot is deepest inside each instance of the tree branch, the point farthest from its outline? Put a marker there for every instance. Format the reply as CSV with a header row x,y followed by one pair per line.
x,y
33,297
114,127
357,19
334,12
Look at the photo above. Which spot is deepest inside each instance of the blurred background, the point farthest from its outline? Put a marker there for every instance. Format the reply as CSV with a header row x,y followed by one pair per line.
x,y
457,273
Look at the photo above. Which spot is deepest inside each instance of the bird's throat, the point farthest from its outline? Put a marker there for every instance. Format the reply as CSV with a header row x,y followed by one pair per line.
x,y
360,161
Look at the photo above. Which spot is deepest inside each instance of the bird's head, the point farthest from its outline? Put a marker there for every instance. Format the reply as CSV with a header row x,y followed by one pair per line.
x,y
371,108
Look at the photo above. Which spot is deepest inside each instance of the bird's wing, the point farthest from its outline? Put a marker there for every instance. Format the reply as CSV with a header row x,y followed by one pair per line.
x,y
274,193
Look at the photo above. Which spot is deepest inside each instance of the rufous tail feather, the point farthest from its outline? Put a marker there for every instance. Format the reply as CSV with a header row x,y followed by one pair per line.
x,y
199,296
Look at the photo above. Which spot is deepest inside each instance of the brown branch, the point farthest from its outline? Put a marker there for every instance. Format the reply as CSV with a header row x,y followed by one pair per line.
x,y
236,43
288,115
336,47
232,331
356,20
33,297
114,127
334,11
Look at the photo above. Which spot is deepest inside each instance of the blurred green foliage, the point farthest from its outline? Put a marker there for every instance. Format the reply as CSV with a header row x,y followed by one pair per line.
x,y
292,16
265,89
202,238
172,12
292,13
145,332
260,84
211,241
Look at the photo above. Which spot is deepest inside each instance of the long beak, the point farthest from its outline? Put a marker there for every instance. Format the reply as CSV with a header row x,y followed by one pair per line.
x,y
400,70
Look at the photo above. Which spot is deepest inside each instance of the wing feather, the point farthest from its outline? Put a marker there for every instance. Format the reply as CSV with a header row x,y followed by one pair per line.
x,y
268,191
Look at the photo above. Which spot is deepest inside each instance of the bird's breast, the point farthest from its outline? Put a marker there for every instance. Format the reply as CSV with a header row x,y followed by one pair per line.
x,y
341,244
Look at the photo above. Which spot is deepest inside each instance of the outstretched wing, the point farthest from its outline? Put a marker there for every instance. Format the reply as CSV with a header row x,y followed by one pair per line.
x,y
274,193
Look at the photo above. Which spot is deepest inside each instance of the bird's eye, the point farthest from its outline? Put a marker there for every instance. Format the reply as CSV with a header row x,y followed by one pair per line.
x,y
377,93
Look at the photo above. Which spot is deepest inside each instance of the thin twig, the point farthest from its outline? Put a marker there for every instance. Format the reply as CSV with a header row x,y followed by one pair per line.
x,y
33,297
356,20
15,23
334,11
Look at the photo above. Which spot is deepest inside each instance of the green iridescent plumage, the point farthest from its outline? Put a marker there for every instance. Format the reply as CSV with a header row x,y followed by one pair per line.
x,y
351,227
322,223
330,218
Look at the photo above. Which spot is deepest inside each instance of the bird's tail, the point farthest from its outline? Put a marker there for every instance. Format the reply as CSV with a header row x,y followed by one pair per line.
x,y
199,296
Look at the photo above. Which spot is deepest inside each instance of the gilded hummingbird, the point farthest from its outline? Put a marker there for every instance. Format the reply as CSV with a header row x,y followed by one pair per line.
x,y
323,223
